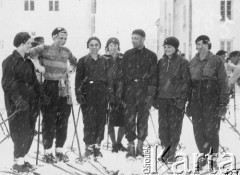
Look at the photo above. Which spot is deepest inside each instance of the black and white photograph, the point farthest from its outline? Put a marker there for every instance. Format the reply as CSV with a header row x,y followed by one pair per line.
x,y
119,87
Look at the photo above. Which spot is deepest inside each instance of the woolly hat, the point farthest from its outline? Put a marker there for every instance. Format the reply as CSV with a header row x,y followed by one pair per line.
x,y
93,38
172,41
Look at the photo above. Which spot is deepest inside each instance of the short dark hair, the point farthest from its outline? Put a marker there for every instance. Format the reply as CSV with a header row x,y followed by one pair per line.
x,y
58,30
38,38
221,52
93,38
139,32
234,54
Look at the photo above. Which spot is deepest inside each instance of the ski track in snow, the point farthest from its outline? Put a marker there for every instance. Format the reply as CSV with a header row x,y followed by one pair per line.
x,y
117,161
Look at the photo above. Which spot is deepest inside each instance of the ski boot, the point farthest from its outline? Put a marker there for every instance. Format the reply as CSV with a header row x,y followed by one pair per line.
x,y
131,150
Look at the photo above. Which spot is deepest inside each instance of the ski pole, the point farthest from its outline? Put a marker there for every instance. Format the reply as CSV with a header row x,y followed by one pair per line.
x,y
75,126
39,117
4,138
154,127
232,126
71,148
10,117
4,124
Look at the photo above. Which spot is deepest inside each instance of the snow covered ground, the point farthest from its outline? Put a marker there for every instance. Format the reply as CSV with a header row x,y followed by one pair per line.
x,y
114,162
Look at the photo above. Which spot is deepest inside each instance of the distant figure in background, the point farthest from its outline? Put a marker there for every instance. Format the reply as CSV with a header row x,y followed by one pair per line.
x,y
235,59
183,55
55,59
39,40
222,55
116,117
172,93
21,92
208,99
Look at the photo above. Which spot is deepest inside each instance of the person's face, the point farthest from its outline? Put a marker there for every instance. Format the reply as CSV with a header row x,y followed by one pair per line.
x,y
223,57
27,46
60,39
137,41
169,50
41,41
94,46
235,60
201,47
113,48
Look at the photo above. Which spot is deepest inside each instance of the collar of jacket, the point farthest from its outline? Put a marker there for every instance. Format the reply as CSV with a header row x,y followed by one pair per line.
x,y
18,56
140,50
90,57
166,58
209,55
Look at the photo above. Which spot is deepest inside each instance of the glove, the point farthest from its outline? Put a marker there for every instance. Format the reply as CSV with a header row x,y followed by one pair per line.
x,y
81,99
155,103
44,100
22,105
180,103
188,110
222,110
149,102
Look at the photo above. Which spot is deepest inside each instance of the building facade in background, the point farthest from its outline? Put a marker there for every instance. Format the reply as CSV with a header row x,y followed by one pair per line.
x,y
187,19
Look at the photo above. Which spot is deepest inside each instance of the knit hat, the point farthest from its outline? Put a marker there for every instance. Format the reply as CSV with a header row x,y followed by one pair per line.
x,y
172,41
114,41
139,32
58,30
93,38
205,39
21,38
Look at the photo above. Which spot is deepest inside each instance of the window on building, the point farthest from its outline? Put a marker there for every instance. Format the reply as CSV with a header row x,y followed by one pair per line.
x,y
53,5
226,9
29,5
226,45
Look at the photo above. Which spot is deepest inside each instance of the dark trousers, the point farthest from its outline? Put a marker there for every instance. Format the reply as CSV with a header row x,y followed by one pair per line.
x,y
22,128
94,112
55,116
135,108
206,124
170,120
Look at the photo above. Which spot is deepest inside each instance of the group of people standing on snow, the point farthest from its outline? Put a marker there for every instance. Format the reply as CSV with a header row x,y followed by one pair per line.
x,y
118,89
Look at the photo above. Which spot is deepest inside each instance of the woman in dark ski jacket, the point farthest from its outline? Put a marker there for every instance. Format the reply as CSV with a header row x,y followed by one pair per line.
x,y
21,92
172,90
209,97
116,115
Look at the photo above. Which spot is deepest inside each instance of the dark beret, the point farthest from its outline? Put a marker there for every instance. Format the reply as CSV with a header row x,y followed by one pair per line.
x,y
112,40
172,41
139,32
93,38
203,38
21,38
58,30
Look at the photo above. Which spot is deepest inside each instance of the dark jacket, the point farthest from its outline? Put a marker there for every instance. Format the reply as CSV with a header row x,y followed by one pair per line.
x,y
173,77
115,71
90,70
208,77
19,80
141,65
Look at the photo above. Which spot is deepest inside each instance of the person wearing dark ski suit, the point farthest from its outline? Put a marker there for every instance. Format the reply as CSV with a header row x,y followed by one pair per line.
x,y
172,92
55,59
209,97
91,88
140,78
21,93
115,113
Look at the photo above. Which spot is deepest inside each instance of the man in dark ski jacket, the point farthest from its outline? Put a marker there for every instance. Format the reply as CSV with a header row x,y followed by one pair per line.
x,y
140,78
